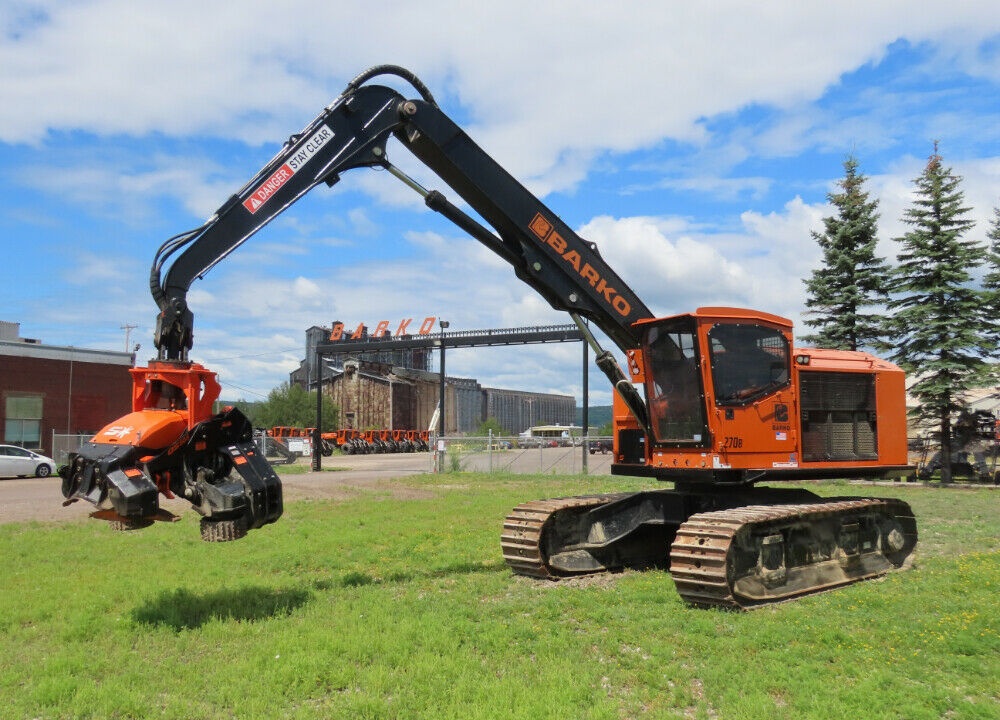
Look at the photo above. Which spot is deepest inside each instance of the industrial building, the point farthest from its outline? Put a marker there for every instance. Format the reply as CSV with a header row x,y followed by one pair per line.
x,y
398,389
47,389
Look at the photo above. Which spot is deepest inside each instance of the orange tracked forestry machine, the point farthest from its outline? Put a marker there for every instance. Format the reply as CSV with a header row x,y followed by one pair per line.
x,y
717,401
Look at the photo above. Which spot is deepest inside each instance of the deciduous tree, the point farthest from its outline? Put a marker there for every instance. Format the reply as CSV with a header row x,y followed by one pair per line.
x,y
292,406
488,425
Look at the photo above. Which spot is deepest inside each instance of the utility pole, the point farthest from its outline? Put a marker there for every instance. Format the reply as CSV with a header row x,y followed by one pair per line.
x,y
440,438
128,328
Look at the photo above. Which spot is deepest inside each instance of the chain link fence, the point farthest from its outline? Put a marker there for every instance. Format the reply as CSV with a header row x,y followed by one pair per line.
x,y
498,454
63,445
492,454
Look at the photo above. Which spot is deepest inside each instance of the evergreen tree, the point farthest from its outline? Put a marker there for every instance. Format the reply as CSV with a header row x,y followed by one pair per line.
x,y
853,281
938,327
991,289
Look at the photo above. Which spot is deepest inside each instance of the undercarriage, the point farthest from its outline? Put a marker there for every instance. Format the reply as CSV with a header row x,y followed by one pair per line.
x,y
734,549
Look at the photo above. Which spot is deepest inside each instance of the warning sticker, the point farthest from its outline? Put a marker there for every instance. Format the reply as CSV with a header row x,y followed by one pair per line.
x,y
305,151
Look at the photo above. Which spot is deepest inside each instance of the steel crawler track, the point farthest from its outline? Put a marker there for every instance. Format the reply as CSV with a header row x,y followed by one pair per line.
x,y
702,554
523,532
715,557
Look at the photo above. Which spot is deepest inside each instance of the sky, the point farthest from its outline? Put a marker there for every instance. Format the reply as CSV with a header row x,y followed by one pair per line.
x,y
695,143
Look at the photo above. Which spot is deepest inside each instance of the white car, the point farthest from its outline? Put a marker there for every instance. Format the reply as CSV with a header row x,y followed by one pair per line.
x,y
18,462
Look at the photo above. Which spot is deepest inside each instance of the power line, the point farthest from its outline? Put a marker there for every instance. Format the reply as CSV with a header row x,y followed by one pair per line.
x,y
241,388
256,355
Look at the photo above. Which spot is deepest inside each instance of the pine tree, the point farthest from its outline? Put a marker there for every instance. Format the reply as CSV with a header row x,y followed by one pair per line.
x,y
853,280
938,327
991,289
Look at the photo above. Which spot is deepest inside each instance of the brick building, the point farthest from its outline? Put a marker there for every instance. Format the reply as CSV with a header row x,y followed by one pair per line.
x,y
46,389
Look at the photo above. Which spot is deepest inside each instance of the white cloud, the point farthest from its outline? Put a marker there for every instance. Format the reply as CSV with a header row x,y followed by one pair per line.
x,y
552,91
114,187
670,267
612,77
752,188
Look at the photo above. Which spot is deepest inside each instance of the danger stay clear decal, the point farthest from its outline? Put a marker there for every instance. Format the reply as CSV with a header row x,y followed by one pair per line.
x,y
292,165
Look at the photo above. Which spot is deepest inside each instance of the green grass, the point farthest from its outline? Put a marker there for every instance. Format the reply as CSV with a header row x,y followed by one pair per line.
x,y
377,607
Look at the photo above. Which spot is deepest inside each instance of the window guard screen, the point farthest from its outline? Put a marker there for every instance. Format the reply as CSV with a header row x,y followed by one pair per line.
x,y
673,385
748,362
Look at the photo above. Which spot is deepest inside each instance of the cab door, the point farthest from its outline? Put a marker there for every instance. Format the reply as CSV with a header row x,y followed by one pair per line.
x,y
752,403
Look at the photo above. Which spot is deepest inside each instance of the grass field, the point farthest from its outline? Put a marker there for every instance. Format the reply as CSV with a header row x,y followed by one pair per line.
x,y
376,607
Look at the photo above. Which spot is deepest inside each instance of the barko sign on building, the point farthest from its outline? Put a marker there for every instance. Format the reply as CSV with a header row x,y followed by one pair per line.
x,y
382,329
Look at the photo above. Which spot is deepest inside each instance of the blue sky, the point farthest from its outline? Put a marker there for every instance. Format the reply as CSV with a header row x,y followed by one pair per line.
x,y
695,143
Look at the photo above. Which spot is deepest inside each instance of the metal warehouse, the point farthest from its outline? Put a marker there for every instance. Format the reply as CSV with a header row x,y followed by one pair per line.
x,y
396,389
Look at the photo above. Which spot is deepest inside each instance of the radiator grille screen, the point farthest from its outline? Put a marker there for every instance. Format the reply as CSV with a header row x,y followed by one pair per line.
x,y
838,416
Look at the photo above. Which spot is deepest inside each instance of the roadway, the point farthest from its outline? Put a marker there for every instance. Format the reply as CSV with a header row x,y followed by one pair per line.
x,y
40,499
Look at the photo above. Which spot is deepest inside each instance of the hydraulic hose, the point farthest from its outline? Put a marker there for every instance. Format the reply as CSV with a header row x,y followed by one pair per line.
x,y
396,70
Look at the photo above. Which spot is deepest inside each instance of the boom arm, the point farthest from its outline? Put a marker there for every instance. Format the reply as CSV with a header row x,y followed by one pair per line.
x,y
352,132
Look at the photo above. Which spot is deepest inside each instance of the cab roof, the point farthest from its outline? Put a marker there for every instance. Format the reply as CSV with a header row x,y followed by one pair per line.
x,y
724,313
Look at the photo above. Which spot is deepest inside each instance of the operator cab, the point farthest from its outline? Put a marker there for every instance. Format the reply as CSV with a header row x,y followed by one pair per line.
x,y
731,402
720,398
708,362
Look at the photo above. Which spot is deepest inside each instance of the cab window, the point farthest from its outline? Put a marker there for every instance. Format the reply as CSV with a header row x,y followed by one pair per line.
x,y
748,362
673,384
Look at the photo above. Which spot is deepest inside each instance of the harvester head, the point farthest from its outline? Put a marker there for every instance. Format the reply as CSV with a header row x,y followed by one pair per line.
x,y
171,444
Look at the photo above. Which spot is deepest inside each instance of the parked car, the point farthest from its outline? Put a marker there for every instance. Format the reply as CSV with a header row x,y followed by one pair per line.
x,y
600,446
17,462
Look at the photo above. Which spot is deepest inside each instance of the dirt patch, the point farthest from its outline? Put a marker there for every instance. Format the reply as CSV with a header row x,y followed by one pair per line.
x,y
605,579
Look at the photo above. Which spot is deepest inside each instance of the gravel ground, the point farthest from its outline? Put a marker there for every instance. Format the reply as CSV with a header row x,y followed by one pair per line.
x,y
40,499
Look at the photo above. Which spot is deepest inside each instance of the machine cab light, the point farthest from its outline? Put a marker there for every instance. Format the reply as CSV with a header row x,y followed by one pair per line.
x,y
801,359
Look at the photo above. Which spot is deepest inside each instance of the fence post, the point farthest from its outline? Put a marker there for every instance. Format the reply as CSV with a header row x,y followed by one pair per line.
x,y
489,450
441,451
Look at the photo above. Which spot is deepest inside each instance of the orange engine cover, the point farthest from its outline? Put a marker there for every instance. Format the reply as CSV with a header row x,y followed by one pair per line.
x,y
153,429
